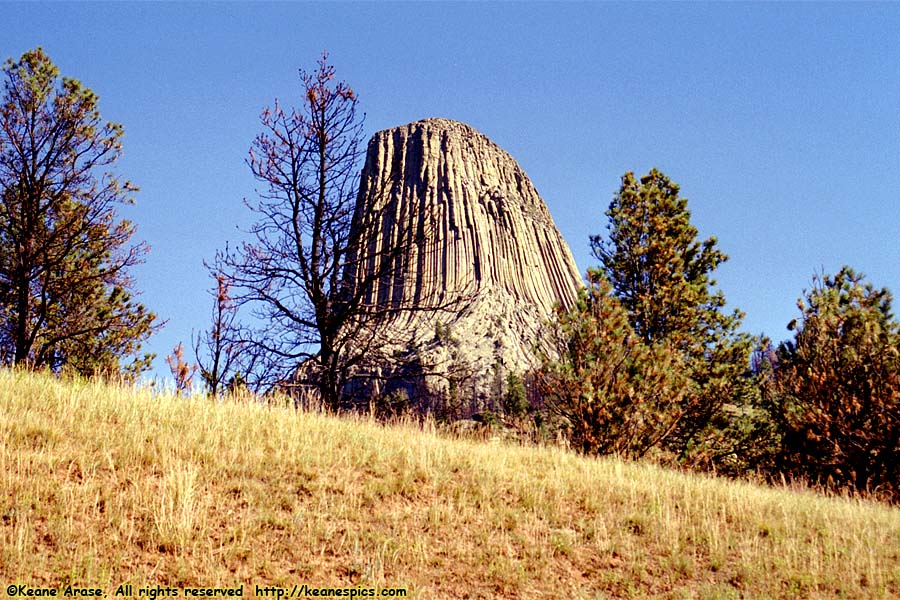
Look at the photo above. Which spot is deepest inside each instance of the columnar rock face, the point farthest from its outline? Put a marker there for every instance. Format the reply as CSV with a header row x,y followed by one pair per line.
x,y
487,240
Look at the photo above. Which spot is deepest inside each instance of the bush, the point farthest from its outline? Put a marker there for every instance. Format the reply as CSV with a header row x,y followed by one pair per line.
x,y
392,405
741,438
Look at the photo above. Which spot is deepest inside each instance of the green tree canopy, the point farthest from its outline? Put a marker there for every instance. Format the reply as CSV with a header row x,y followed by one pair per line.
x,y
66,296
658,269
661,274
615,392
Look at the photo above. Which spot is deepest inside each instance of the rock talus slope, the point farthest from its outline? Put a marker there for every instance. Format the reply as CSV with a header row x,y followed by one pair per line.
x,y
487,239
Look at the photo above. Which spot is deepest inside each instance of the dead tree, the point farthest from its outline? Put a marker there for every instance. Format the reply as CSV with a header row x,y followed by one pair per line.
x,y
310,234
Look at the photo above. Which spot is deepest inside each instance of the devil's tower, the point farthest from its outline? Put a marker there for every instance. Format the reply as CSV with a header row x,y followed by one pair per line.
x,y
489,240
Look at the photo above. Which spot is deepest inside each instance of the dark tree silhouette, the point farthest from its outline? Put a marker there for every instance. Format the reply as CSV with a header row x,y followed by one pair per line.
x,y
309,235
220,351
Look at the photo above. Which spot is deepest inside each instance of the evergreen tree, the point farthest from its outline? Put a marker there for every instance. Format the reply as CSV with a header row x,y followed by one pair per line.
x,y
515,400
614,392
835,389
65,291
661,274
658,269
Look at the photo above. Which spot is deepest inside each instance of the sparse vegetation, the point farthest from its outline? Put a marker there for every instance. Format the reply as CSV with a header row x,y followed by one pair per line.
x,y
105,485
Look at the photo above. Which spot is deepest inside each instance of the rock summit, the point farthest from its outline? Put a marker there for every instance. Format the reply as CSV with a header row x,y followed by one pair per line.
x,y
489,243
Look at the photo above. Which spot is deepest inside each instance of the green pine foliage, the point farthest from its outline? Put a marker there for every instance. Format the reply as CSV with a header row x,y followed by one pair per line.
x,y
515,400
66,295
658,269
615,392
661,274
835,389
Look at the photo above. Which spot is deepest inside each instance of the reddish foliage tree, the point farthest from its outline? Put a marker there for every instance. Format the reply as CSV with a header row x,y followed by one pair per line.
x,y
182,371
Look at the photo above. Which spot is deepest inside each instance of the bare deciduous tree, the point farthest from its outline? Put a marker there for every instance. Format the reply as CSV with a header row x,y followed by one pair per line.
x,y
308,272
218,350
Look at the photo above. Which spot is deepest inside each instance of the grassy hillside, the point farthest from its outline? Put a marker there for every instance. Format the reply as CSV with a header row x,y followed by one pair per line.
x,y
103,486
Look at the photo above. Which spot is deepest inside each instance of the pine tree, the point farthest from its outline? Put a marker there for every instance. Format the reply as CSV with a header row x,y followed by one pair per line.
x,y
66,297
658,269
835,389
661,274
614,392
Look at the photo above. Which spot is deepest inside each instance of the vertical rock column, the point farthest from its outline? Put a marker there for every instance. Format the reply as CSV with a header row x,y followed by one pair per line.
x,y
488,236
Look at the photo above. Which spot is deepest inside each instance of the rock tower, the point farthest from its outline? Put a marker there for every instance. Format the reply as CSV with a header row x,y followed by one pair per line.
x,y
489,242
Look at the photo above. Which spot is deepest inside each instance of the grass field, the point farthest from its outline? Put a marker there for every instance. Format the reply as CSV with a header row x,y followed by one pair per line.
x,y
101,486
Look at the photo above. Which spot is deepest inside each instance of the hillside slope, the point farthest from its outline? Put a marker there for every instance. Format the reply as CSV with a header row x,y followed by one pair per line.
x,y
102,486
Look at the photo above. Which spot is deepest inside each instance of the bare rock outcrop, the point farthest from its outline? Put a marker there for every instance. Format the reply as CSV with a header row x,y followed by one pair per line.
x,y
489,243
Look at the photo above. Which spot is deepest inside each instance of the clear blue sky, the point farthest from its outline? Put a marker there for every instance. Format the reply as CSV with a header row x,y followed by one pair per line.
x,y
781,122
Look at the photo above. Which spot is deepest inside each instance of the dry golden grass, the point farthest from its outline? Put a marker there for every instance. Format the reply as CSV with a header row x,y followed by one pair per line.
x,y
104,485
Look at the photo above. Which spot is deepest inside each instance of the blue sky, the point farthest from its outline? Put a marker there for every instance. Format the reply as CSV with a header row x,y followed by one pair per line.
x,y
780,122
